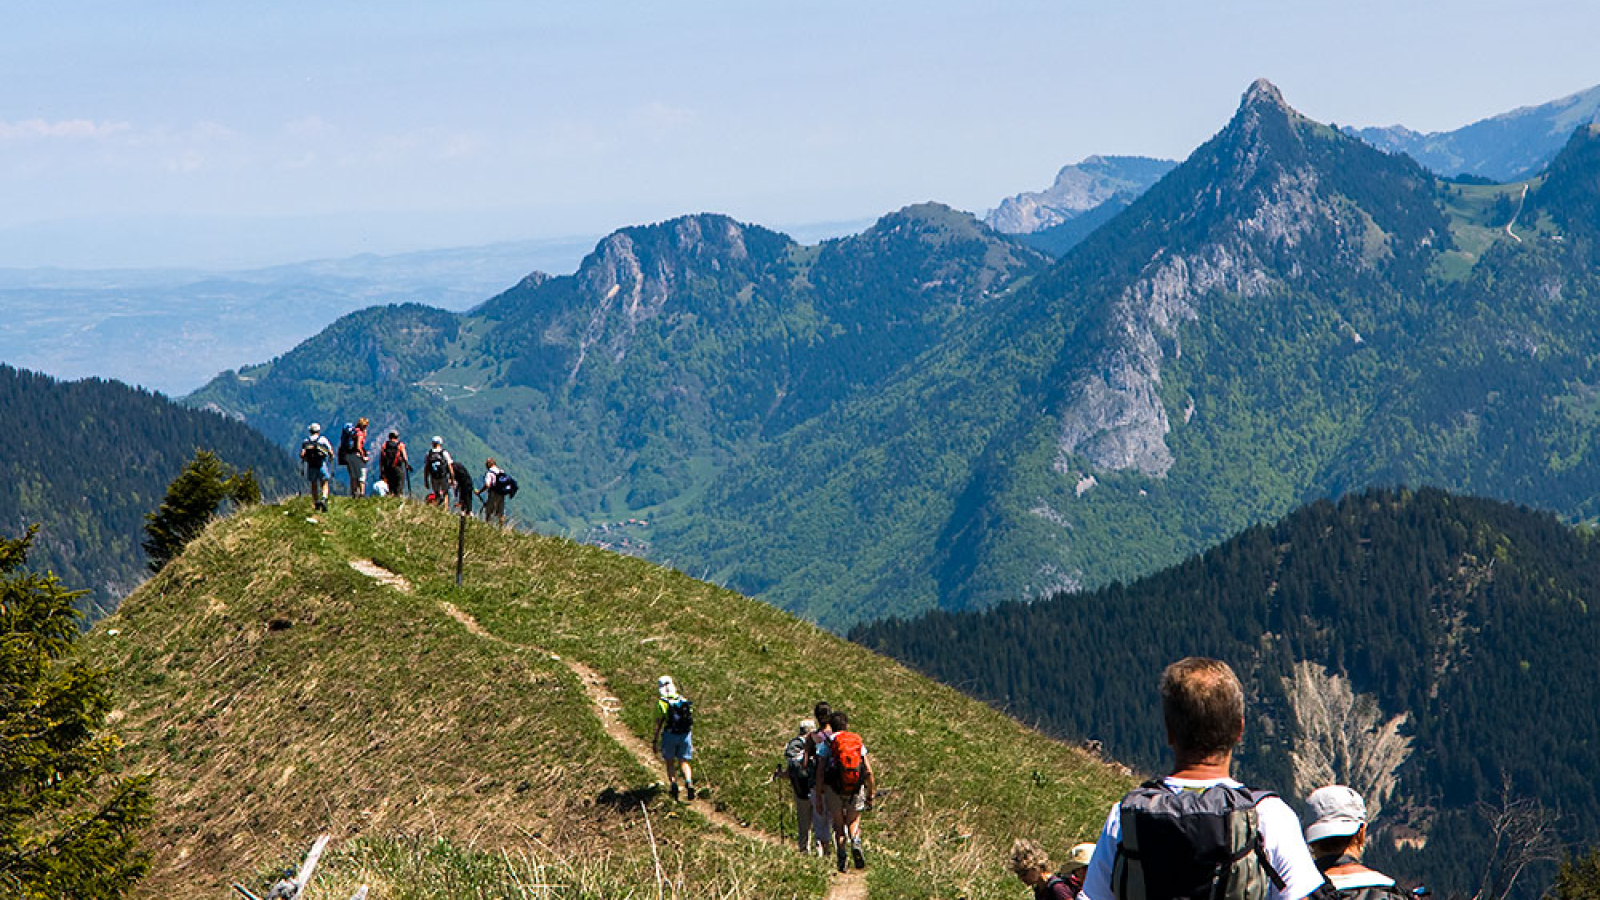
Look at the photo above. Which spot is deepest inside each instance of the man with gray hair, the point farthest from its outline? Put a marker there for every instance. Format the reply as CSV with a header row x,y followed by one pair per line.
x,y
1197,833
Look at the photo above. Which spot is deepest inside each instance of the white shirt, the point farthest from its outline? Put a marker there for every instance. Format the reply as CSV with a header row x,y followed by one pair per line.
x,y
1360,880
490,476
1280,831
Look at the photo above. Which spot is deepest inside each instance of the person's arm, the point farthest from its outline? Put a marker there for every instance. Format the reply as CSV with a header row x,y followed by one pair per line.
x,y
872,780
661,719
1097,881
1287,851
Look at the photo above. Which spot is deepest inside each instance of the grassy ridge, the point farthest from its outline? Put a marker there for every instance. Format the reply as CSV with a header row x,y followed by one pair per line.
x,y
279,693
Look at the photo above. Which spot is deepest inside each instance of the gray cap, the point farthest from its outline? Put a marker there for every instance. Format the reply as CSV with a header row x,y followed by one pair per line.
x,y
1339,812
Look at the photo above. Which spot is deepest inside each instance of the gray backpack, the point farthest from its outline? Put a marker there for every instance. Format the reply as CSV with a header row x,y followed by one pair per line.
x,y
1192,845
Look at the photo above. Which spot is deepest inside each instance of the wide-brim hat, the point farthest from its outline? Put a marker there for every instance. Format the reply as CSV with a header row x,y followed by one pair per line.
x,y
1079,857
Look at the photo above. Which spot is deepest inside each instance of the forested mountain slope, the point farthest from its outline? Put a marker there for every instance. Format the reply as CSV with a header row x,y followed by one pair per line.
x,y
622,391
1435,651
290,675
1288,314
86,460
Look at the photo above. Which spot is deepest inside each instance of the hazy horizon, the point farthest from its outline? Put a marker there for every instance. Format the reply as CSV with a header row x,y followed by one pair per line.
x,y
168,135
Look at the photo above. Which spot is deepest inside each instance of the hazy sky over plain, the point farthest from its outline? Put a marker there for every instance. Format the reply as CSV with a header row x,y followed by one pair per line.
x,y
165,133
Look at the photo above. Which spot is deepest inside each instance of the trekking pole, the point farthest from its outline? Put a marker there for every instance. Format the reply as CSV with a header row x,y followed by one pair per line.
x,y
461,546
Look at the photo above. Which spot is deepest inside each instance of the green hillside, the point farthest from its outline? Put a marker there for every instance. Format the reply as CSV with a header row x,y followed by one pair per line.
x,y
86,461
1467,621
445,738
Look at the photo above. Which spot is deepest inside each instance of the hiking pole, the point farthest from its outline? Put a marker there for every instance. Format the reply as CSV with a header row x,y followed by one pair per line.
x,y
461,546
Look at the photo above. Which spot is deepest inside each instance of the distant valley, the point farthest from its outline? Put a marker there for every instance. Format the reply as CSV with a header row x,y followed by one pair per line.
x,y
172,330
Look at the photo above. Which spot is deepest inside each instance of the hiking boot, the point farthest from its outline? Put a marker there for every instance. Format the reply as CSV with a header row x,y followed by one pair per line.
x,y
673,789
691,792
855,854
841,859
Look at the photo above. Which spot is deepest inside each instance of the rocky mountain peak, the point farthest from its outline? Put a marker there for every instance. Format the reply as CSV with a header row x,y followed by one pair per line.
x,y
1263,93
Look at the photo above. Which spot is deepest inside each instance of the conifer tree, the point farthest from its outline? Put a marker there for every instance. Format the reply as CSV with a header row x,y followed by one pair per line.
x,y
67,828
1579,878
192,500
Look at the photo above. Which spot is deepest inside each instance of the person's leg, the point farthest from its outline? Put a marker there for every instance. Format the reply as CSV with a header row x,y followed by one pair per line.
x,y
802,823
685,752
852,820
820,824
836,820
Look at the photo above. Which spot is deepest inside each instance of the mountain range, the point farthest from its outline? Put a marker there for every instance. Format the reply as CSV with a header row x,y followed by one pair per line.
x,y
929,414
1509,147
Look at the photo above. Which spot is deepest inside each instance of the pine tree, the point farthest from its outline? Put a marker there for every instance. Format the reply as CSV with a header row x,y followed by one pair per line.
x,y
192,500
67,829
1579,878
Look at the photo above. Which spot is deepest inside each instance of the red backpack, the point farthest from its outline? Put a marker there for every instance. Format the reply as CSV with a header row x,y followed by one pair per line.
x,y
846,769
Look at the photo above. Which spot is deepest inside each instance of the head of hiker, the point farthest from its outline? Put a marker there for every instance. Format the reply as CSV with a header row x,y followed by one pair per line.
x,y
807,726
1078,859
315,428
665,687
1339,826
1029,861
1203,706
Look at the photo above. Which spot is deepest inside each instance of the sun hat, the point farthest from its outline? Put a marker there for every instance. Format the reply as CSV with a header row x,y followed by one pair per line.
x,y
1080,856
437,440
665,686
314,428
1339,812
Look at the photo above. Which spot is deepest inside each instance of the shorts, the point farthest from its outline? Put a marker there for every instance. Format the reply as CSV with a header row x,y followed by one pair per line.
x,y
676,746
847,807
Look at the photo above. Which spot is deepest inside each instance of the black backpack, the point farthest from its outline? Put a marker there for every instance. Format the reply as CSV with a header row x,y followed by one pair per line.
x,y
680,714
506,486
313,453
1200,845
347,442
435,464
389,456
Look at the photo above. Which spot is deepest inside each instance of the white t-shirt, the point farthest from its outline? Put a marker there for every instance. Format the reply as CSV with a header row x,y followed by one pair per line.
x,y
1280,831
489,476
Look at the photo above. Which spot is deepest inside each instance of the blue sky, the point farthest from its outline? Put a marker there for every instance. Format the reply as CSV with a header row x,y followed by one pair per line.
x,y
166,133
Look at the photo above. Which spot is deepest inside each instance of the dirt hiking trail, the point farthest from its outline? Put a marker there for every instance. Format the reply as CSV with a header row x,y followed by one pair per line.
x,y
850,885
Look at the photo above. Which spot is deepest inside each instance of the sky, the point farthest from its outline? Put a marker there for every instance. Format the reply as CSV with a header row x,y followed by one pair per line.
x,y
231,134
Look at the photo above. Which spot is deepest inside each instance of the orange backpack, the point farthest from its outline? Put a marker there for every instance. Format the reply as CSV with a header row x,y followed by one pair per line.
x,y
846,769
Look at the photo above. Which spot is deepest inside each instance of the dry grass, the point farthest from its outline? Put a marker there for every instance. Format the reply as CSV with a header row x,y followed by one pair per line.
x,y
279,693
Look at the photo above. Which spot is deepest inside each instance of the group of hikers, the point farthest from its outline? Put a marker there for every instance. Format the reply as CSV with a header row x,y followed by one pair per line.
x,y
445,478
826,764
1198,833
832,781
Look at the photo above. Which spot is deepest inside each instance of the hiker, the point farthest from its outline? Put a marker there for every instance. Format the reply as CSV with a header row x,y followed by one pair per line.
x,y
1182,836
1032,867
674,722
497,488
847,787
353,455
793,767
463,482
439,469
821,823
1338,836
393,465
317,454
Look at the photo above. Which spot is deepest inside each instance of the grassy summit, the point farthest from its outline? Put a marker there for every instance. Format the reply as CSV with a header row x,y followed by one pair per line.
x,y
443,737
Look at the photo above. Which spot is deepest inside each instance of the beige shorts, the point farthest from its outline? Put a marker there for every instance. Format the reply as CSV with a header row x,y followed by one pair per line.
x,y
848,806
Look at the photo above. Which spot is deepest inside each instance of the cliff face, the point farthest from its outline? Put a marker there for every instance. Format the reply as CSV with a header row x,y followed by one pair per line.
x,y
1341,737
1077,190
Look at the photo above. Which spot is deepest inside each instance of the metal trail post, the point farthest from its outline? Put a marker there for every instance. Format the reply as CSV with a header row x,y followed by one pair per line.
x,y
461,546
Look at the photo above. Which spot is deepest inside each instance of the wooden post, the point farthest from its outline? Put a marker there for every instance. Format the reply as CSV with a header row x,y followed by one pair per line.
x,y
461,546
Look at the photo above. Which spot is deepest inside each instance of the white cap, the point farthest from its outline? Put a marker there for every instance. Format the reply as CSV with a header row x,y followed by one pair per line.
x,y
808,725
1339,812
665,687
314,428
437,441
